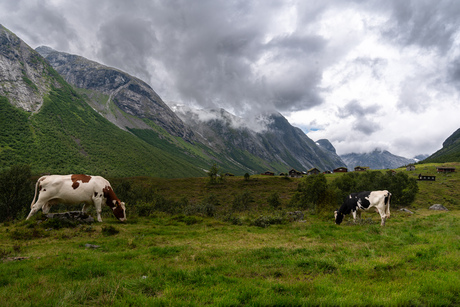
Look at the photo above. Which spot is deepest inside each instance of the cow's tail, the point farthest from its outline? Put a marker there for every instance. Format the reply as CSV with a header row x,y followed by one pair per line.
x,y
387,204
35,195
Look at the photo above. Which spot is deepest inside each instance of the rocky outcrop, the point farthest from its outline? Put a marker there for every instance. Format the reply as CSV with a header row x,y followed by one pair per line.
x,y
134,99
24,76
269,137
438,207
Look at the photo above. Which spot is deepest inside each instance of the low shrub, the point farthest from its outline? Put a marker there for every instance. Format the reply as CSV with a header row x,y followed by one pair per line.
x,y
265,221
109,230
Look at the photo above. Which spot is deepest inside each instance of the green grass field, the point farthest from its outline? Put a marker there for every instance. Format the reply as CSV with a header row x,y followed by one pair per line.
x,y
195,260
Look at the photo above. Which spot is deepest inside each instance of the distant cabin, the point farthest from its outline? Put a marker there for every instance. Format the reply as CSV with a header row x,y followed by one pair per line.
x,y
410,167
426,178
361,168
313,171
268,173
341,170
295,174
445,169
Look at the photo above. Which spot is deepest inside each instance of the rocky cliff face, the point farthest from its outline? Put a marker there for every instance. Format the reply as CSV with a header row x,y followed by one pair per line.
x,y
130,95
24,77
270,138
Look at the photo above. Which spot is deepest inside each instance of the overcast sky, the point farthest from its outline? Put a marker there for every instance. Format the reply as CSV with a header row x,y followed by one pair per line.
x,y
363,74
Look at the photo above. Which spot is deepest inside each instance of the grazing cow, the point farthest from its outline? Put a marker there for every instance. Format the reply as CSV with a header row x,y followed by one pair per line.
x,y
363,201
76,189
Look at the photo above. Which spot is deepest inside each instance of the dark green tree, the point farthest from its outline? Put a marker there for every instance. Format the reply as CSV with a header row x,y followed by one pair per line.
x,y
213,173
16,192
311,191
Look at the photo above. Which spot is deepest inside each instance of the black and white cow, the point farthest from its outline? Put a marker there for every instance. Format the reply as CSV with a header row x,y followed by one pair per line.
x,y
363,201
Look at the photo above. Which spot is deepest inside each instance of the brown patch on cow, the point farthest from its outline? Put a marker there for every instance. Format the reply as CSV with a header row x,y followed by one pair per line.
x,y
79,177
113,202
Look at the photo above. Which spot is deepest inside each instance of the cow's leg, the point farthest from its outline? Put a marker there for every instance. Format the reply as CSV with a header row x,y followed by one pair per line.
x,y
98,205
34,209
354,212
85,208
46,208
383,216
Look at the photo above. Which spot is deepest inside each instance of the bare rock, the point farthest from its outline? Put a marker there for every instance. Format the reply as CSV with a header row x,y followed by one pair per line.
x,y
77,216
296,215
406,210
438,207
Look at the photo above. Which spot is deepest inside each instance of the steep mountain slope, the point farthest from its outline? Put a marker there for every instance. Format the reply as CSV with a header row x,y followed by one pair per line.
x,y
124,100
56,131
269,138
375,160
450,151
233,148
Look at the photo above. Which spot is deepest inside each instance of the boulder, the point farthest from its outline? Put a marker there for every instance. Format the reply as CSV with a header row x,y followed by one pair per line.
x,y
406,210
438,207
296,215
76,216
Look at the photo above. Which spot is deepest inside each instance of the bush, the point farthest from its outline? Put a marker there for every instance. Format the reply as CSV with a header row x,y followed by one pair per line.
x,y
274,200
16,190
265,221
311,191
242,201
400,185
109,230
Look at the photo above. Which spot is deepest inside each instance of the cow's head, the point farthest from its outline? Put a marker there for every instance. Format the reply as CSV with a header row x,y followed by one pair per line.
x,y
119,210
117,206
338,216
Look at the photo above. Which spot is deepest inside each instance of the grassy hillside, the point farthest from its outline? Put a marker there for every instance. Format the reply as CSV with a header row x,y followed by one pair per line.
x,y
175,260
189,259
68,136
450,152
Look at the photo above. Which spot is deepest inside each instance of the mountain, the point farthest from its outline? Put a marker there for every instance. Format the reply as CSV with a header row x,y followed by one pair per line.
x,y
67,114
45,123
375,160
450,151
236,146
269,138
124,100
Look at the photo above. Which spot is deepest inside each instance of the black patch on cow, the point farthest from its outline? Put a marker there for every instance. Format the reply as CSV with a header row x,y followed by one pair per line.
x,y
363,199
95,194
350,204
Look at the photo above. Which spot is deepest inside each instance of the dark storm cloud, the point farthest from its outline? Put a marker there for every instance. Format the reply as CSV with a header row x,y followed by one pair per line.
x,y
361,117
366,126
128,43
355,109
428,24
41,22
210,51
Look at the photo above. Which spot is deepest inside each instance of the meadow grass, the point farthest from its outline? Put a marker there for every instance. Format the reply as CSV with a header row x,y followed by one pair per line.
x,y
162,260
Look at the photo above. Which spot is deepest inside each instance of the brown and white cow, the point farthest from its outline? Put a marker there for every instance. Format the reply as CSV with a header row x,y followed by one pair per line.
x,y
76,189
